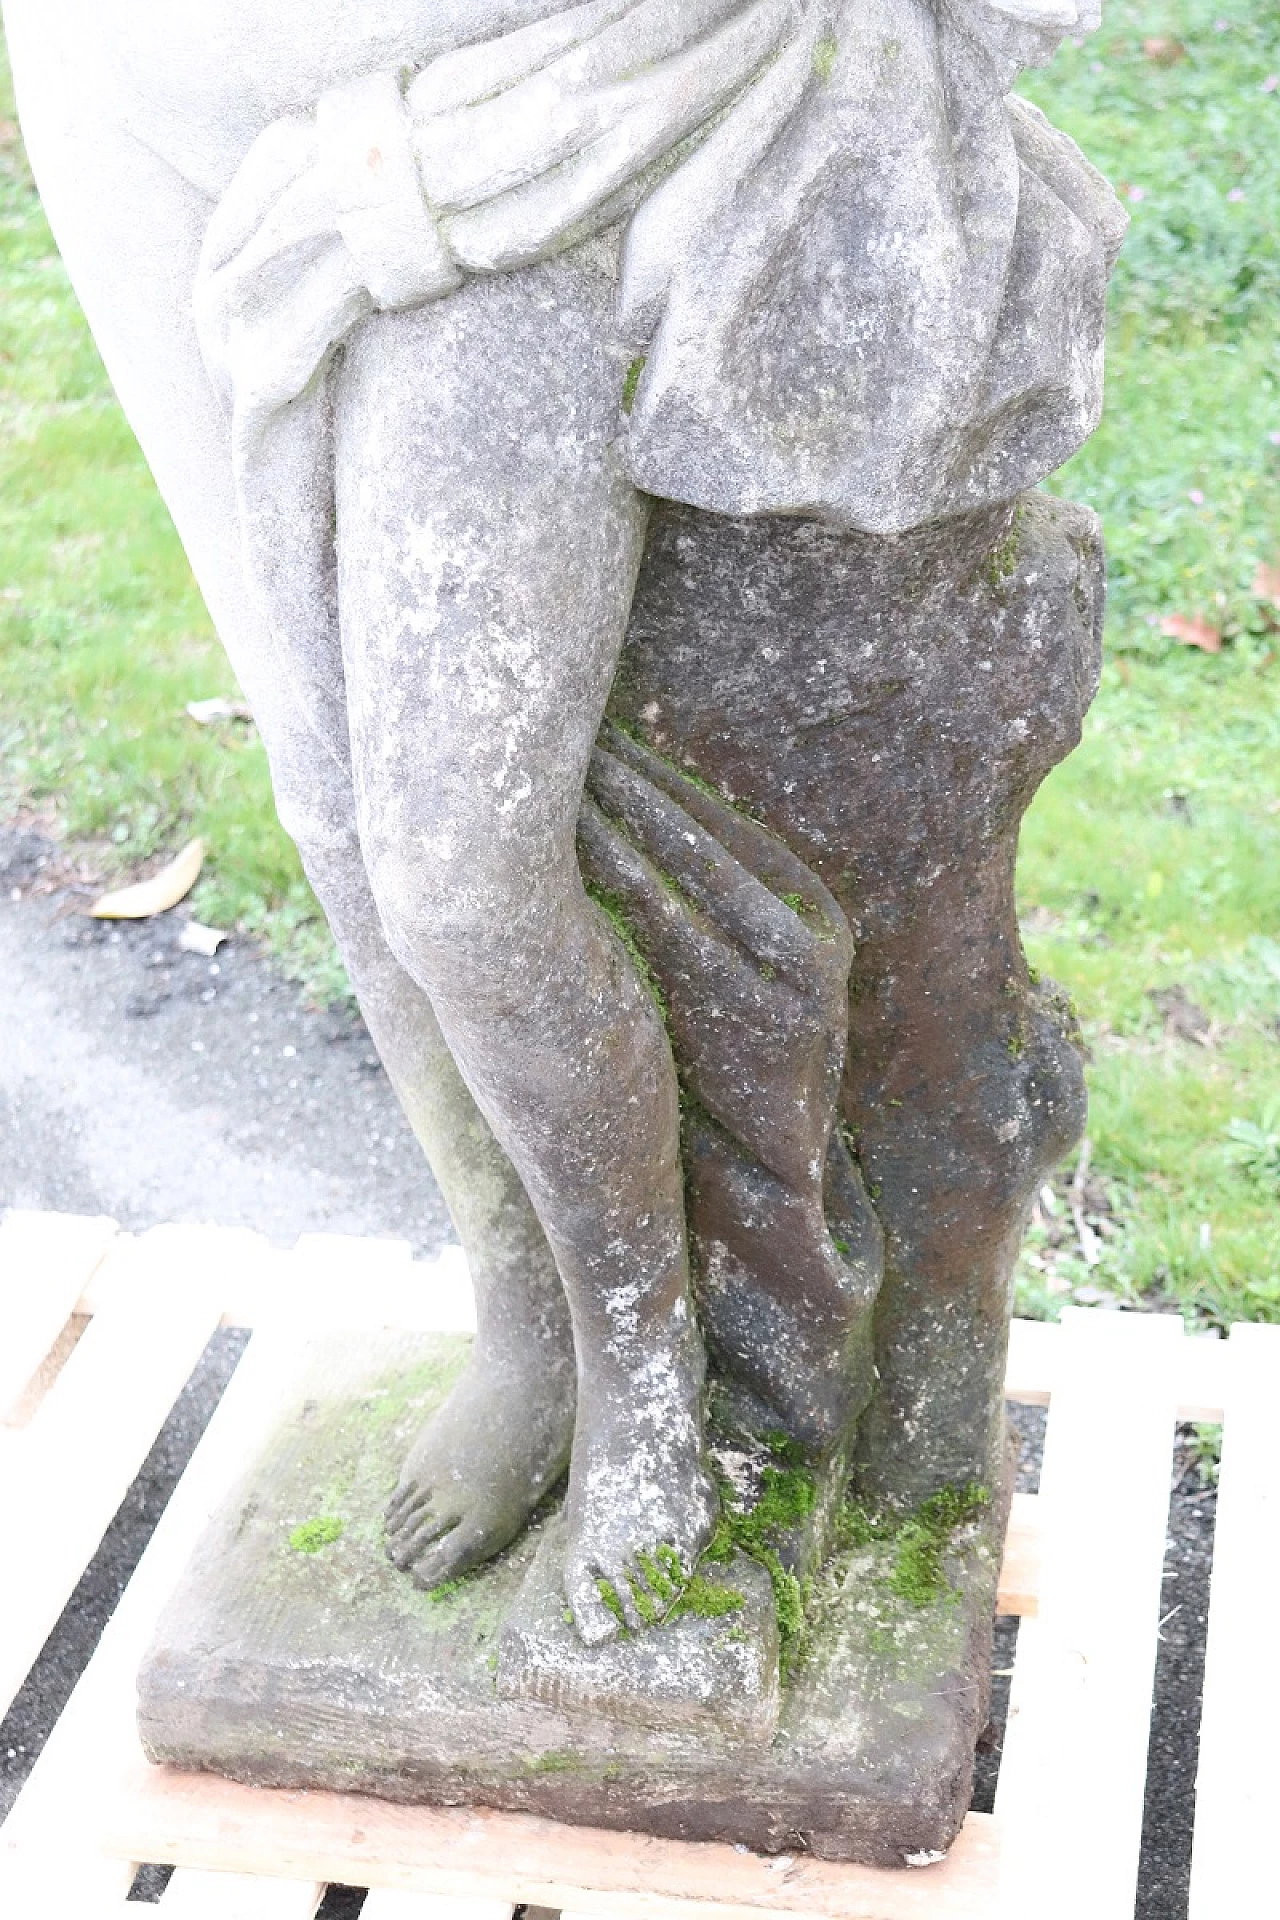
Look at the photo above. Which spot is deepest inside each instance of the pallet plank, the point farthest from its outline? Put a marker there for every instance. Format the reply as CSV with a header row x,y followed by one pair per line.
x,y
1032,1369
1202,1376
46,1262
331,1282
388,1903
73,1464
1019,1588
192,1895
72,1883
1080,1704
1032,1361
75,1768
1238,1786
473,1853
23,1408
671,1910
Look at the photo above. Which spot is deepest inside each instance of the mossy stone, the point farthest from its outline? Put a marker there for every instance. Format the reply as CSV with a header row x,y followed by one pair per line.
x,y
331,1669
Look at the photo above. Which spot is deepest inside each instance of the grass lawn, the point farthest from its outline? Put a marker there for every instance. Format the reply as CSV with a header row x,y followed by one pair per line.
x,y
103,635
1151,861
1150,871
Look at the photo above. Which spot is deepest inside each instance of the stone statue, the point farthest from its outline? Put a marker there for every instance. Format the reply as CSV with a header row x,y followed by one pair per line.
x,y
602,434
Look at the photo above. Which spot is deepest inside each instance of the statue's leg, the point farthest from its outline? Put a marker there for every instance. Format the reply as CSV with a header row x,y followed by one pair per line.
x,y
130,231
488,543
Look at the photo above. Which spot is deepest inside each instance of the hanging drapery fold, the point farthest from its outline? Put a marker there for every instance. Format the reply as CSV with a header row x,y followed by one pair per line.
x,y
865,282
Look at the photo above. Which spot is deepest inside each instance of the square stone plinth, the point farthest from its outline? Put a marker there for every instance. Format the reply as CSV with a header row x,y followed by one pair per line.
x,y
294,1654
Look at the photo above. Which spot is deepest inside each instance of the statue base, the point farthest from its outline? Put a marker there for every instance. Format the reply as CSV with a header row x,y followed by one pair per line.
x,y
294,1654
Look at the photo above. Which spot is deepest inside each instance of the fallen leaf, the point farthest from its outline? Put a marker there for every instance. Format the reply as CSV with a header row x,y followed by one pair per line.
x,y
1164,50
1183,1018
1266,582
197,938
1192,631
205,712
156,895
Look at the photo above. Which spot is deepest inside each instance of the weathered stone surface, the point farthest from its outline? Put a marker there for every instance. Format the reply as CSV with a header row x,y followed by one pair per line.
x,y
920,690
703,1673
751,955
426,315
327,1668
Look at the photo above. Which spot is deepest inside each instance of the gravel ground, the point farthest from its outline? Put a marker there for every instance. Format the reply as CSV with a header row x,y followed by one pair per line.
x,y
154,1085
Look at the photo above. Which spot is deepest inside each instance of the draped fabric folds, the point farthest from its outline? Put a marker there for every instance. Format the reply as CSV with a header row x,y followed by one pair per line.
x,y
864,281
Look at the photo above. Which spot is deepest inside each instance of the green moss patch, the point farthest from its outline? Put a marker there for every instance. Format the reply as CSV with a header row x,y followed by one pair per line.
x,y
1001,563
824,56
616,914
609,1594
788,1496
313,1536
707,1600
630,384
920,1540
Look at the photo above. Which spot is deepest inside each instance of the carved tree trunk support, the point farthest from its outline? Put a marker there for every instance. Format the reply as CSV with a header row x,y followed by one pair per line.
x,y
920,688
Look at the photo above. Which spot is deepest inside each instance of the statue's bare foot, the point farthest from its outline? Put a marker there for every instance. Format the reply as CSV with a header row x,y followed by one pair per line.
x,y
481,1464
640,1499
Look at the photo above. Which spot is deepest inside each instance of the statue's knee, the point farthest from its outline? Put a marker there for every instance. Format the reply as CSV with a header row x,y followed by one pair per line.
x,y
444,925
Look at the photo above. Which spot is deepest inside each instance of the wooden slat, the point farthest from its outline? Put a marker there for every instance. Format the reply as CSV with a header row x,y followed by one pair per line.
x,y
46,1260
352,1256
1233,1869
22,1409
606,1912
472,1853
1019,1588
72,1466
1072,1776
52,1821
387,1903
673,1910
1199,1380
191,1895
329,1281
336,1281
1032,1363
67,1881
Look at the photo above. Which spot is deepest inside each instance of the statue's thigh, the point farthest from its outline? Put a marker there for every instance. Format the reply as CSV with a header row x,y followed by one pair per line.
x,y
488,542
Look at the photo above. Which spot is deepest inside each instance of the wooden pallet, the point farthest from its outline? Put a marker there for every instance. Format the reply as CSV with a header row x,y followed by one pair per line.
x,y
99,1331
